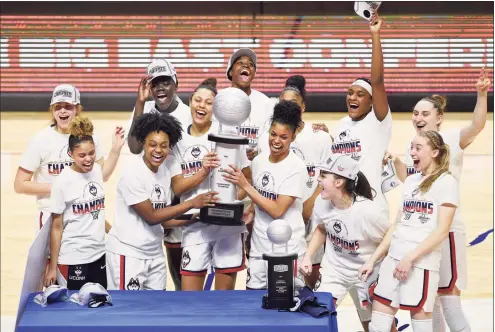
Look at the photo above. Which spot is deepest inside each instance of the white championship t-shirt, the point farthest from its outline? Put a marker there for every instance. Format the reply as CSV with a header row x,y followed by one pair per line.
x,y
130,234
81,199
419,217
261,113
189,153
366,142
47,155
353,234
312,148
181,113
452,138
287,177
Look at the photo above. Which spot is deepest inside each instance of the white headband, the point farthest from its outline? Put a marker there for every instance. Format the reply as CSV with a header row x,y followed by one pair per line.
x,y
365,85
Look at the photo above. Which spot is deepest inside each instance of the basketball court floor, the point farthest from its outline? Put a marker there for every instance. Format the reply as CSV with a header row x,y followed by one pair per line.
x,y
19,216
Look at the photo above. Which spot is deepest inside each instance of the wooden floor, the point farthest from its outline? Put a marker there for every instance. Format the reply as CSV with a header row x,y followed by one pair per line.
x,y
18,212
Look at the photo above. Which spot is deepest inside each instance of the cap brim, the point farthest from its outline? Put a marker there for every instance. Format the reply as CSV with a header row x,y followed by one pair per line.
x,y
161,75
69,101
237,54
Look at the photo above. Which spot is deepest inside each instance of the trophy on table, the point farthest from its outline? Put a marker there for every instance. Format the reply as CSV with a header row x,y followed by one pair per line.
x,y
231,107
280,279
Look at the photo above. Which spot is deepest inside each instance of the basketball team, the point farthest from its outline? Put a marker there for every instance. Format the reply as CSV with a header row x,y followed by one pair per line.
x,y
328,185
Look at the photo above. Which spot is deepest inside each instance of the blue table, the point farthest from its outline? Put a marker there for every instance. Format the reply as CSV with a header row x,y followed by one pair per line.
x,y
150,311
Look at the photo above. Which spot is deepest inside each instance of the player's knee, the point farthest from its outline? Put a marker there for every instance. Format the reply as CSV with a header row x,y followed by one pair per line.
x,y
380,322
422,325
452,310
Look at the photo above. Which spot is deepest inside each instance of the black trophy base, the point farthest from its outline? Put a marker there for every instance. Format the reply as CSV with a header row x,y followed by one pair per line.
x,y
280,281
224,214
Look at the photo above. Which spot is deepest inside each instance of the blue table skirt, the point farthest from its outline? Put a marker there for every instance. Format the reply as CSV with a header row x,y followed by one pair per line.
x,y
215,311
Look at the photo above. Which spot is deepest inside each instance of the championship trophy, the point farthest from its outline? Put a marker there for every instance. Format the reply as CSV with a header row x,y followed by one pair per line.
x,y
280,277
366,9
231,107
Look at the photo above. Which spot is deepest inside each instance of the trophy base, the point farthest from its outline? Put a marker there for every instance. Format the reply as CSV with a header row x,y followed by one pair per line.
x,y
277,303
223,214
280,281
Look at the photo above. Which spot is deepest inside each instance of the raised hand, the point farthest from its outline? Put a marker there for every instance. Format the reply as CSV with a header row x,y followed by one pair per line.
x,y
375,23
118,139
483,83
144,89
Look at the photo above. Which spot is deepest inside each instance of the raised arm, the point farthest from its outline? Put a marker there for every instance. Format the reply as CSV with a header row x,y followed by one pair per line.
x,y
144,91
469,133
108,165
380,102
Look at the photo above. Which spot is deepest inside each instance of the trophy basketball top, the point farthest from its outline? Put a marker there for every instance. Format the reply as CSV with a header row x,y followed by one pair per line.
x,y
231,106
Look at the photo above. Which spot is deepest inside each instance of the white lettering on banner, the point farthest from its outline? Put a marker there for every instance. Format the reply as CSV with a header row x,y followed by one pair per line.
x,y
205,53
47,52
4,54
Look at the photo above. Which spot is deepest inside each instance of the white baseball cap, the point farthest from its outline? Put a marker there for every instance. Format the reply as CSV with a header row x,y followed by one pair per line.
x,y
341,164
66,93
91,294
53,293
162,67
237,54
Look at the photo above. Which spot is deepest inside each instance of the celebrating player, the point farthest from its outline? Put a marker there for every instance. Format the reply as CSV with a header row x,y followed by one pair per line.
x,y
77,205
47,154
135,256
241,71
279,181
365,133
428,114
313,147
203,244
345,211
409,275
161,83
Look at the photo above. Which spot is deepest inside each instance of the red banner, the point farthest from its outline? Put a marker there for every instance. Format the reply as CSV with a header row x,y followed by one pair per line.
x,y
110,53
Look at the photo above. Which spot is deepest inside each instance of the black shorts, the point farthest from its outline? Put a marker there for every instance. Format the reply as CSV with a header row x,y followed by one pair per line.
x,y
77,275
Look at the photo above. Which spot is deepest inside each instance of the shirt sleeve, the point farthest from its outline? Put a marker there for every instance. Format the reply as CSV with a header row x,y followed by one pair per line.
x,y
57,202
173,165
294,185
31,158
243,159
315,215
133,189
452,137
376,224
447,190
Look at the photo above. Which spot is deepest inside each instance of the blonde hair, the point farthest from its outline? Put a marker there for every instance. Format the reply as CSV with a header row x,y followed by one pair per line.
x,y
79,110
439,102
435,141
81,130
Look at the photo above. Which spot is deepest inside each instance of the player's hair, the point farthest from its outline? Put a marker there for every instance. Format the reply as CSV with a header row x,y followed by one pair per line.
x,y
155,122
439,102
287,113
210,83
436,142
367,80
296,83
361,188
79,110
81,130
